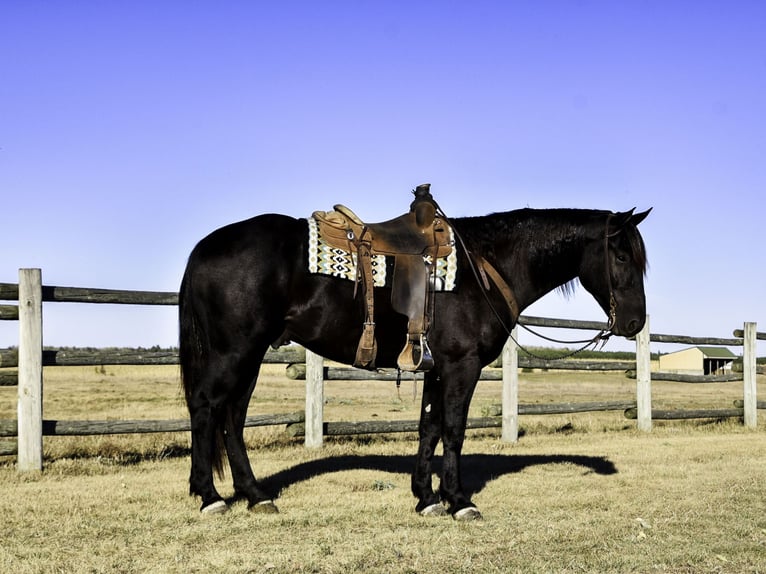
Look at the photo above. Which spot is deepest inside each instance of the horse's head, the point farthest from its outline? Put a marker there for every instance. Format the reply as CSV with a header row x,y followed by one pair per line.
x,y
613,270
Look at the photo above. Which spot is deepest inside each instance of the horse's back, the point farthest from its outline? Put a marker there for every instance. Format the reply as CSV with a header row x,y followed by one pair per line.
x,y
242,270
250,237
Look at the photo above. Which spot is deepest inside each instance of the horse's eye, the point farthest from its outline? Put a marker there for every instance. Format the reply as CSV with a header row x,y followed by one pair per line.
x,y
622,258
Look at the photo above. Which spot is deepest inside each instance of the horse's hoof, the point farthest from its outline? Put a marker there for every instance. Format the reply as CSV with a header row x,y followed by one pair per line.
x,y
217,507
434,510
264,507
468,513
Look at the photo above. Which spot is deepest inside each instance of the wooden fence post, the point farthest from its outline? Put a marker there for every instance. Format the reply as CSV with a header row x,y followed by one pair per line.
x,y
644,379
749,376
30,386
510,398
314,400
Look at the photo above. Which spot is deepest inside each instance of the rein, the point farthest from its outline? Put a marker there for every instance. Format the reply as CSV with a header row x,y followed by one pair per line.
x,y
601,337
612,300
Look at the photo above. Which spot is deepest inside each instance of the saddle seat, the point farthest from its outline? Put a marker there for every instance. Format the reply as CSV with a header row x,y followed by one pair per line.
x,y
414,233
414,239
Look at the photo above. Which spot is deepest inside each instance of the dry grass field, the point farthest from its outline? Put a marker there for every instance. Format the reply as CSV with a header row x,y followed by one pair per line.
x,y
577,493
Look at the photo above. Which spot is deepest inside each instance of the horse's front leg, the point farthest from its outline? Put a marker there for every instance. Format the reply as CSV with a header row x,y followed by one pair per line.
x,y
458,384
429,503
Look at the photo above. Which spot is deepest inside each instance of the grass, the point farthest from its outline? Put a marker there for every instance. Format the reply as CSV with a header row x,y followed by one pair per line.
x,y
583,492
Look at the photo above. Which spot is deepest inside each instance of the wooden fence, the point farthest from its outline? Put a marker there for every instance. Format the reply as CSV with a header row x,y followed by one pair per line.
x,y
30,359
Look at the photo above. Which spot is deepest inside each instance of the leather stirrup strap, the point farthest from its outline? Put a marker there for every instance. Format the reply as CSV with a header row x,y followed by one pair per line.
x,y
368,348
500,283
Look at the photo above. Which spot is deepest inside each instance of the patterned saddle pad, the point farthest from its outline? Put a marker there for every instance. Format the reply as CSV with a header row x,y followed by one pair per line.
x,y
327,260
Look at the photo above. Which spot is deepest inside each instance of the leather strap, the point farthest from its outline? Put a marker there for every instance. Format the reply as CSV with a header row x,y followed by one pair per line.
x,y
368,348
500,283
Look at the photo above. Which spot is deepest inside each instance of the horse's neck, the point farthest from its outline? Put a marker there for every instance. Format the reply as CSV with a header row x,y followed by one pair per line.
x,y
536,268
536,251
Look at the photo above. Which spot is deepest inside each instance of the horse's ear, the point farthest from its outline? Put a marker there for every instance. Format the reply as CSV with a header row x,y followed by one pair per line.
x,y
619,220
639,217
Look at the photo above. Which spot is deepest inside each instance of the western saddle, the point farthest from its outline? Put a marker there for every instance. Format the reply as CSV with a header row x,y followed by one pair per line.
x,y
414,240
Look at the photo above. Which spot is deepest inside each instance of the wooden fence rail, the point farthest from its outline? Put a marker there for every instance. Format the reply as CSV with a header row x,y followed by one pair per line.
x,y
130,356
297,371
8,428
30,358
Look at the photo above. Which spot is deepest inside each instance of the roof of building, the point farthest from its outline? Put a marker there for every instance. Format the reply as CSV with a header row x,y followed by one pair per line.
x,y
709,352
717,353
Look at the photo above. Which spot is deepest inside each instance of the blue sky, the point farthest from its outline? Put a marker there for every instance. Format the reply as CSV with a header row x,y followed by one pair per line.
x,y
128,131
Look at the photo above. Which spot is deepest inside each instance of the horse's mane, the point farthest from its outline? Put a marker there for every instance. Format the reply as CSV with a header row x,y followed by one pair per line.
x,y
542,230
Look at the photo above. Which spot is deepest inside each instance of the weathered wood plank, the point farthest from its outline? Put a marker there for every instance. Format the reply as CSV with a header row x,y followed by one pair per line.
x,y
117,356
376,427
313,428
297,371
739,403
749,376
575,365
9,357
30,387
761,336
130,356
509,406
9,291
678,414
644,379
9,312
9,378
684,378
686,340
111,296
565,408
9,427
286,354
561,323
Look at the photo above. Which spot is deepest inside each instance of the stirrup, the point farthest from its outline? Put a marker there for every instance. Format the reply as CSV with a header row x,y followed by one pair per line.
x,y
367,349
416,355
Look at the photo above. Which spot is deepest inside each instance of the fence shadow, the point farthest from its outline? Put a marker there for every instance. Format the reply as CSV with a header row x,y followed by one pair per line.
x,y
478,469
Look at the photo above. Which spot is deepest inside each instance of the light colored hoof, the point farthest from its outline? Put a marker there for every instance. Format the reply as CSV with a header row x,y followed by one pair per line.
x,y
264,507
218,507
468,513
434,510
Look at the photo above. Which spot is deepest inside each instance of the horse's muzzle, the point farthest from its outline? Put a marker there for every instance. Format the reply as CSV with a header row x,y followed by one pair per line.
x,y
631,329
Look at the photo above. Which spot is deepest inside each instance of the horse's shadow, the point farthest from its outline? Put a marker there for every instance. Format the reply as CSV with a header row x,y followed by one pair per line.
x,y
478,469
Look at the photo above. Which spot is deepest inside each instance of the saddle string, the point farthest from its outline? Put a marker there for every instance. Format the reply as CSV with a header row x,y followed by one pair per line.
x,y
399,384
600,337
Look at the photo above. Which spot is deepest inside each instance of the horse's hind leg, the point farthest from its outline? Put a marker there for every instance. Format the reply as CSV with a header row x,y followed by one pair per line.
x,y
217,406
204,422
245,483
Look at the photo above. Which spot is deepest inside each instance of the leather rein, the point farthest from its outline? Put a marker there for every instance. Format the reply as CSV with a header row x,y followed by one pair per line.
x,y
481,267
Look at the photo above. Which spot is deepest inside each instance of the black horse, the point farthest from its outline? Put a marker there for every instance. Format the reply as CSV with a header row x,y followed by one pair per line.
x,y
247,286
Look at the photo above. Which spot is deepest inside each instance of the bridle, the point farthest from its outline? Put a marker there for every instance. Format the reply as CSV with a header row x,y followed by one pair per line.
x,y
597,341
612,301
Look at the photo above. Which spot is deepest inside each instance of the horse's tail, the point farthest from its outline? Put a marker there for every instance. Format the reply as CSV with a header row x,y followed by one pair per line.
x,y
193,352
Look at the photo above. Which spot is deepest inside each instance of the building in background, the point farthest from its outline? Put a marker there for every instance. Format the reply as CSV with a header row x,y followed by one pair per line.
x,y
698,361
